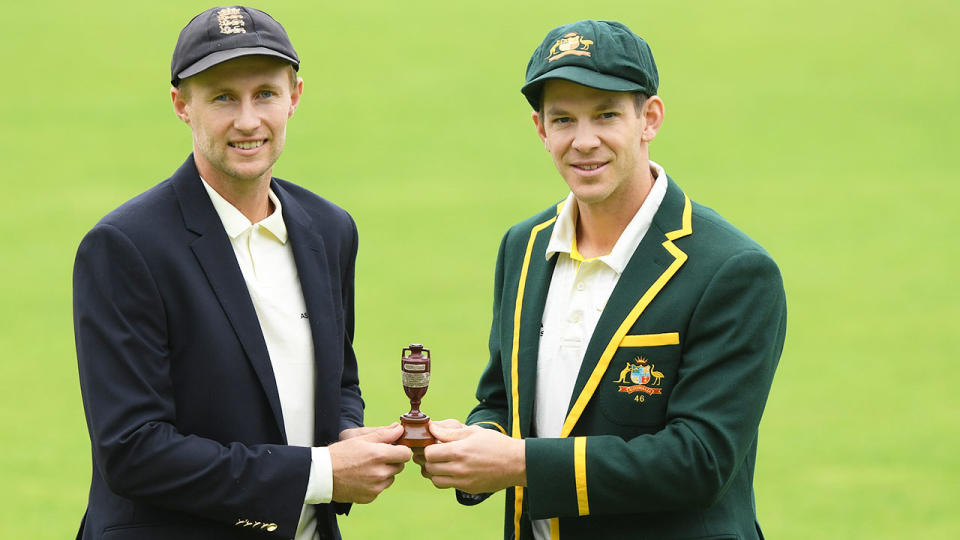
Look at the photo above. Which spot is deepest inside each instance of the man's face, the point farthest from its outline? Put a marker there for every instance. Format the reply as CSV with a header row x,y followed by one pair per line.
x,y
596,140
238,112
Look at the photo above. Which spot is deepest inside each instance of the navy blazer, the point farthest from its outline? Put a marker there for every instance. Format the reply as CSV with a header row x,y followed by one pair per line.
x,y
181,403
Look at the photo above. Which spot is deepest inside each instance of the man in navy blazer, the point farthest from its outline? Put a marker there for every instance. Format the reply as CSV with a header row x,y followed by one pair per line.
x,y
214,323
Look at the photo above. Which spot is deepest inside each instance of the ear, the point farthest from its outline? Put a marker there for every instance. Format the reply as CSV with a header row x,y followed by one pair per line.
x,y
541,131
652,118
295,97
180,106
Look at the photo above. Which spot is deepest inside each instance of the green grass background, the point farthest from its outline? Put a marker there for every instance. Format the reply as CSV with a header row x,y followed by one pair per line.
x,y
826,130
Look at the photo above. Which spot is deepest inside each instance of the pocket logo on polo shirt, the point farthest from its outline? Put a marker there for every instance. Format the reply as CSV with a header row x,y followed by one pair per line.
x,y
644,376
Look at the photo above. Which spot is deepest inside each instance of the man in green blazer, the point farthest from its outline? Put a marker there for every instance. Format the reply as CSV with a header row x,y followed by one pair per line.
x,y
635,333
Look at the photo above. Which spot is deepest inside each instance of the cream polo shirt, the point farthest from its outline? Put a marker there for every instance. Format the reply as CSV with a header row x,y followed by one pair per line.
x,y
270,272
576,298
578,293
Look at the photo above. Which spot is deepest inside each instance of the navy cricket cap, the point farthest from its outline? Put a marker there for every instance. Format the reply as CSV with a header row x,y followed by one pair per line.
x,y
224,33
600,54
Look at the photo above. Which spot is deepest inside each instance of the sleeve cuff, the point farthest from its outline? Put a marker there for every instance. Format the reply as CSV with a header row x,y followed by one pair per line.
x,y
320,485
553,470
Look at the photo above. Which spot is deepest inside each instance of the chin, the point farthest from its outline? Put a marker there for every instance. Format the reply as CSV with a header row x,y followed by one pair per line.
x,y
590,196
249,171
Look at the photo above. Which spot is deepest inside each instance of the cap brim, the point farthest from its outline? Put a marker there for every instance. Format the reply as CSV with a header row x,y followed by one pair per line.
x,y
579,75
220,57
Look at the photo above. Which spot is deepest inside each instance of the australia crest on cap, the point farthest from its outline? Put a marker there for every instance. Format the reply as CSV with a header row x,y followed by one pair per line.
x,y
570,43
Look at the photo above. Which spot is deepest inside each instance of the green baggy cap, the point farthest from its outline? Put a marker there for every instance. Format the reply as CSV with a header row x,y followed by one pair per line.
x,y
600,54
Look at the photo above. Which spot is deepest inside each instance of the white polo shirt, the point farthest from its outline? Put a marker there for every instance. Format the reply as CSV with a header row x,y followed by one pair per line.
x,y
577,296
270,272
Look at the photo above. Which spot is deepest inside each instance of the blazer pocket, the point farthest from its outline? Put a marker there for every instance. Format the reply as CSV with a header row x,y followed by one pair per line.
x,y
637,384
650,340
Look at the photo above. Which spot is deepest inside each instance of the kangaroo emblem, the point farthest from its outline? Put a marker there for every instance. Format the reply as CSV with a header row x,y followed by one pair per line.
x,y
624,374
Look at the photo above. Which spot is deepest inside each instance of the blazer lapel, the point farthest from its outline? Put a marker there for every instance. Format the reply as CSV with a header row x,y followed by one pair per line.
x,y
531,300
652,266
309,252
215,254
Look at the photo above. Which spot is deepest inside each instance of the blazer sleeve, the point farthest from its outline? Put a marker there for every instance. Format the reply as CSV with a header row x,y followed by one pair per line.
x,y
351,404
124,365
730,352
492,410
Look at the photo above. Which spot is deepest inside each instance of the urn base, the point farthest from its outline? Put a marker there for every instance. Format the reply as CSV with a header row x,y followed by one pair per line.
x,y
416,435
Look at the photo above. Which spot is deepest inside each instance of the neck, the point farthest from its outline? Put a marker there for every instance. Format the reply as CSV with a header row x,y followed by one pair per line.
x,y
600,224
250,197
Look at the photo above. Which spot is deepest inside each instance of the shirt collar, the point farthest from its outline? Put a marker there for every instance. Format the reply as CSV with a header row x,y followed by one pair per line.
x,y
564,236
235,223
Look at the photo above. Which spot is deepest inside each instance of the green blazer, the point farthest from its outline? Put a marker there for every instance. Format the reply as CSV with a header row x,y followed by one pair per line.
x,y
660,437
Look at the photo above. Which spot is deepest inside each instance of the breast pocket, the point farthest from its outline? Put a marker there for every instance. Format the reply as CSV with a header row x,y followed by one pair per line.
x,y
638,381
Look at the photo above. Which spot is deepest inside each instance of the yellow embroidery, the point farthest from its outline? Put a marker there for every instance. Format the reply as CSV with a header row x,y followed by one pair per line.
x,y
570,43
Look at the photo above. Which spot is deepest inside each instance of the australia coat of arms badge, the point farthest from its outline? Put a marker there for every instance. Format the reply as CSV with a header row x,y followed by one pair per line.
x,y
644,376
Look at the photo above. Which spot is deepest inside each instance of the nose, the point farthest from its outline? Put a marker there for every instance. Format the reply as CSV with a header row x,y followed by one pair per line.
x,y
585,139
247,119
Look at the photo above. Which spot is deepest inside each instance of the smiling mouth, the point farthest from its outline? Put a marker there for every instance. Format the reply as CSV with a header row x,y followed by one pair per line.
x,y
248,145
589,166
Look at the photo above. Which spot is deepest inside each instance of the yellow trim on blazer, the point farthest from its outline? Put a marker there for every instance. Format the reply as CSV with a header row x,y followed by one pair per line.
x,y
580,473
494,424
554,528
650,340
679,258
515,359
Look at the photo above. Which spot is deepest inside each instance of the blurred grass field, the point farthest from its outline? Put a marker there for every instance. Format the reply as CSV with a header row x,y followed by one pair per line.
x,y
826,130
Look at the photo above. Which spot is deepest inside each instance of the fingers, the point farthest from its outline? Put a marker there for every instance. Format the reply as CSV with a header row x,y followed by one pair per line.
x,y
397,455
366,464
361,431
356,432
475,460
449,434
386,434
449,423
447,482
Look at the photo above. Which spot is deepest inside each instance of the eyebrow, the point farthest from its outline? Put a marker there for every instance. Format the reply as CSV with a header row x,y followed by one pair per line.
x,y
217,90
606,104
554,111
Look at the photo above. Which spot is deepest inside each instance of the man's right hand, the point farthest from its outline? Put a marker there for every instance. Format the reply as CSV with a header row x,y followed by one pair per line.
x,y
365,465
